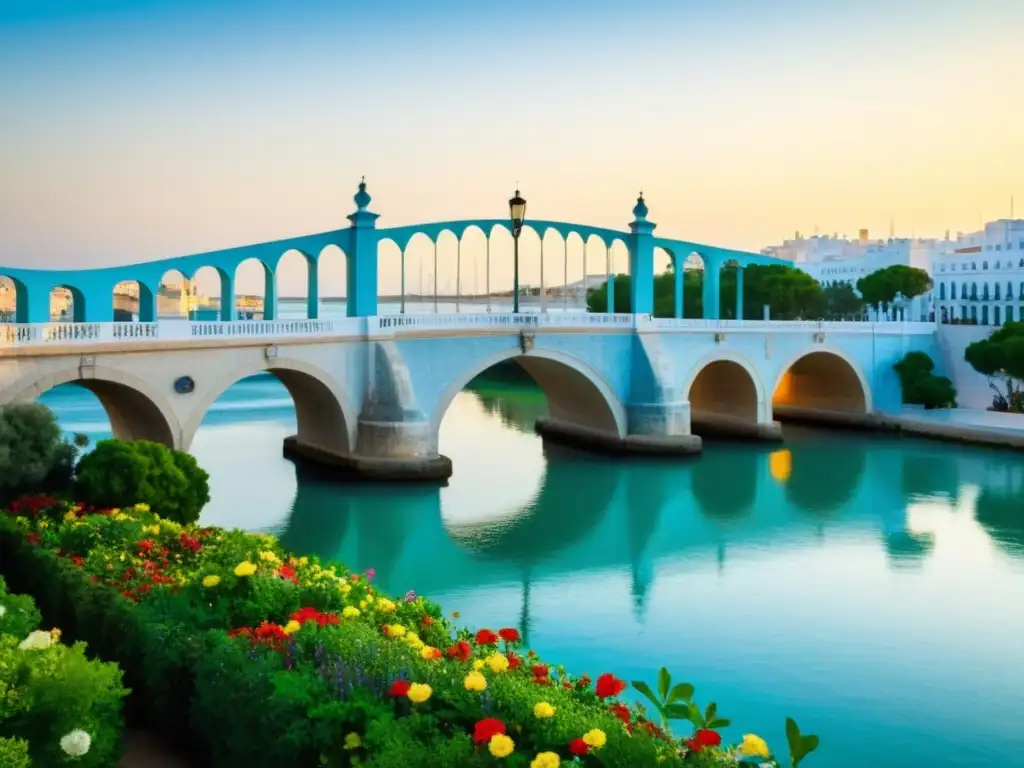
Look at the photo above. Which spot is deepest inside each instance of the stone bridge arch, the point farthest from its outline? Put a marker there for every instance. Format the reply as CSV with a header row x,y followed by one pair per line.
x,y
575,391
322,412
726,395
135,409
823,379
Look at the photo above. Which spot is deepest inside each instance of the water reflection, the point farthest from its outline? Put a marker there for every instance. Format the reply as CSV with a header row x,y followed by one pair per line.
x,y
826,471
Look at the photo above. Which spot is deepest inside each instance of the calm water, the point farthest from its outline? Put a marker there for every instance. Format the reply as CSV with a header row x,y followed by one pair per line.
x,y
872,588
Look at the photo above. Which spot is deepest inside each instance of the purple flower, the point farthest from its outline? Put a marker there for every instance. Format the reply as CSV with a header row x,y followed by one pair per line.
x,y
370,573
410,596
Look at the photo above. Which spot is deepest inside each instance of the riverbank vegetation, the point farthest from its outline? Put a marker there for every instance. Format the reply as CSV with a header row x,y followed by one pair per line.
x,y
920,385
252,655
1001,356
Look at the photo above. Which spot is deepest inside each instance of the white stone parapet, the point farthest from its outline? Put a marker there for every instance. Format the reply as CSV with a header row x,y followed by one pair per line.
x,y
33,334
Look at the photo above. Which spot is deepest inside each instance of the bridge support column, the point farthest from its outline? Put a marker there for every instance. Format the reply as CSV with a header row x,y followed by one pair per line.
x,y
641,261
362,258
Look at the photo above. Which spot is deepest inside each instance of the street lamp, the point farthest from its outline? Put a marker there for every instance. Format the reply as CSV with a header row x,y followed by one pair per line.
x,y
517,211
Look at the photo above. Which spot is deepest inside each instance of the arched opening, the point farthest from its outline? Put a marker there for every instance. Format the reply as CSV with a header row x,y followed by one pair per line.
x,y
529,269
67,304
723,398
561,392
473,268
392,277
212,295
133,302
175,296
13,301
419,271
103,407
332,281
823,382
295,278
255,291
694,275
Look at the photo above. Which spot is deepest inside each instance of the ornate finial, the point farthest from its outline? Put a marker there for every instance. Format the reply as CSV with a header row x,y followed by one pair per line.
x,y
362,197
640,209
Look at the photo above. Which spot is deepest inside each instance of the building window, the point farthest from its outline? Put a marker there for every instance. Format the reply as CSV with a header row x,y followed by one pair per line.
x,y
974,290
984,265
974,266
1009,313
952,290
999,247
997,265
995,295
942,291
1009,289
984,292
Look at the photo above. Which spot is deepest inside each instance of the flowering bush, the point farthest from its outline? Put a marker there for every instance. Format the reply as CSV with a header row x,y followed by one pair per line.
x,y
254,656
58,706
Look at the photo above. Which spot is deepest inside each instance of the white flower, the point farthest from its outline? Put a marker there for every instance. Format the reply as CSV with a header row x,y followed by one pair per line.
x,y
36,641
3,610
76,743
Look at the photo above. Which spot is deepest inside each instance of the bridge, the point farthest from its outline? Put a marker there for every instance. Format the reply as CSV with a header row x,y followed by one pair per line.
x,y
370,391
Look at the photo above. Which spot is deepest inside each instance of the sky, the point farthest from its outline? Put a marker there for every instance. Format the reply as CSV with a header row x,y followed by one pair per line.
x,y
141,130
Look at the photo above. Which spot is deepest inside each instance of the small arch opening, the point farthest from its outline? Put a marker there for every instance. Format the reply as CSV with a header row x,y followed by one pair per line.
x,y
67,304
175,296
133,302
13,301
255,290
722,395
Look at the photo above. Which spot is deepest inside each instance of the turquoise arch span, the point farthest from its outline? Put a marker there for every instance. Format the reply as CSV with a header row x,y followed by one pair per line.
x,y
93,289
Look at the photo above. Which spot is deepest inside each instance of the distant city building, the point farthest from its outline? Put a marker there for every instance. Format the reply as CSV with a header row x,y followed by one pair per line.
x,y
979,276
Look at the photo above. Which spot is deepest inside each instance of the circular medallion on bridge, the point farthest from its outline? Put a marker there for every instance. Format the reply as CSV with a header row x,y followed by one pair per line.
x,y
185,385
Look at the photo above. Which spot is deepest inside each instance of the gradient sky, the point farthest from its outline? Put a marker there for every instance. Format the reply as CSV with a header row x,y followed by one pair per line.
x,y
141,130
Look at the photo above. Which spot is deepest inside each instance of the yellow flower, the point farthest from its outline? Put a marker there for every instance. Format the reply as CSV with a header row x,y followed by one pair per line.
x,y
153,529
55,634
270,557
70,516
345,588
546,760
362,603
302,561
543,709
211,581
43,524
754,746
419,692
394,630
350,612
121,516
413,640
478,664
385,605
142,507
292,627
428,652
501,745
474,681
245,569
595,738
497,662
352,741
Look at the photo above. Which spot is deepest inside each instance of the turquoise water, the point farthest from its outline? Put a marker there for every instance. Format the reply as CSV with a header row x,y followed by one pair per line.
x,y
870,587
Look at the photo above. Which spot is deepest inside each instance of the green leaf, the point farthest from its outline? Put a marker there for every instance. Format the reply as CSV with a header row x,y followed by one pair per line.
x,y
645,689
681,692
806,745
709,713
695,716
792,733
718,723
664,683
677,712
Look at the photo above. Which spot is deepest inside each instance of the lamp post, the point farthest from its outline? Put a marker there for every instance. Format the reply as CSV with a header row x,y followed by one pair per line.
x,y
517,211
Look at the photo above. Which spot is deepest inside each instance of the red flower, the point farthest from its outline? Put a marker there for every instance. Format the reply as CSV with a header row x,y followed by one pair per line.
x,y
33,538
427,621
461,651
514,662
609,685
486,728
486,637
622,712
509,634
703,738
542,680
78,560
539,670
145,545
287,572
312,614
399,688
189,543
579,747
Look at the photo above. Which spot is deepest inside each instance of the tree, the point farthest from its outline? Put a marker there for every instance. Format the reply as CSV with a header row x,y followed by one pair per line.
x,y
920,385
842,302
1001,356
119,473
881,286
35,456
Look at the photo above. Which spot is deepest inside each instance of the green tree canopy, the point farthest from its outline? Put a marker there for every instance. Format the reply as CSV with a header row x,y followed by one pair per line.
x,y
881,286
1001,356
34,454
842,301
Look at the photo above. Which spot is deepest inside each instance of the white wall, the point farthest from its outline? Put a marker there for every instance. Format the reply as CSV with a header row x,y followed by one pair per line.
x,y
972,388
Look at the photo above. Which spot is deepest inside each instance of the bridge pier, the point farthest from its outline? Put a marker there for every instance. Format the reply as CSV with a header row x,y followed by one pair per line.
x,y
334,465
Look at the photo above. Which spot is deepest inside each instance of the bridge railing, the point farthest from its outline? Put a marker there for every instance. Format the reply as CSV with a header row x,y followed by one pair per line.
x,y
487,320
691,323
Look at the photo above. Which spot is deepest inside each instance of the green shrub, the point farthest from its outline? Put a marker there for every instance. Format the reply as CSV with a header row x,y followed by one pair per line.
x,y
119,473
14,753
920,386
34,454
52,690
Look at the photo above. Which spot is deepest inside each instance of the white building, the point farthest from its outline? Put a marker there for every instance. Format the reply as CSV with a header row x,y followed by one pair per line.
x,y
979,277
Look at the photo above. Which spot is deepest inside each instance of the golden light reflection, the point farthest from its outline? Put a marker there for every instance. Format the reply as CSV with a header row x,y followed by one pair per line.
x,y
780,464
784,391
